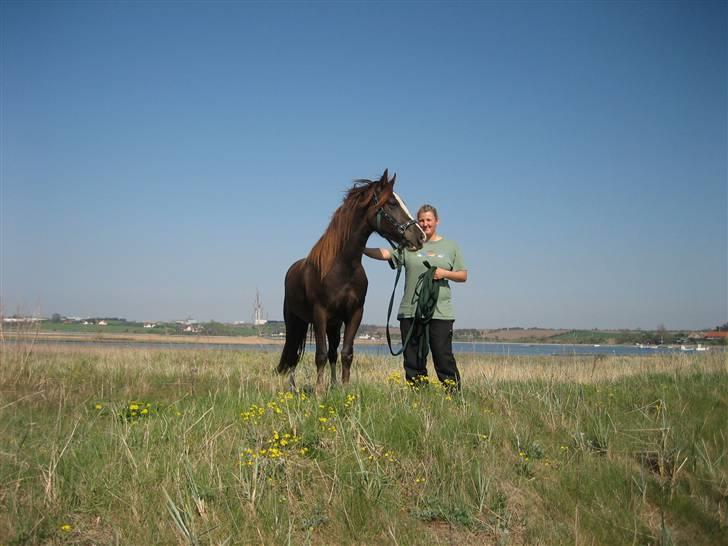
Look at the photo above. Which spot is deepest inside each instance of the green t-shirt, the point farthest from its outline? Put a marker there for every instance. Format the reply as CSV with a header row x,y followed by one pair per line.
x,y
442,253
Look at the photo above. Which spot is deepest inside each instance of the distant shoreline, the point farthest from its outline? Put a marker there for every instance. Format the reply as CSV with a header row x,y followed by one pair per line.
x,y
142,338
99,337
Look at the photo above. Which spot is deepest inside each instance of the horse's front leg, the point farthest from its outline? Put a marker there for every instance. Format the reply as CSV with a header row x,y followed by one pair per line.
x,y
319,331
347,350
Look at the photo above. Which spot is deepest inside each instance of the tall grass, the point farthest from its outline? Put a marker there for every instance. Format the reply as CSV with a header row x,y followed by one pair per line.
x,y
113,446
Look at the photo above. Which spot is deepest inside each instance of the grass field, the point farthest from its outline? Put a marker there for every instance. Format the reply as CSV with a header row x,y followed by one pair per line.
x,y
105,446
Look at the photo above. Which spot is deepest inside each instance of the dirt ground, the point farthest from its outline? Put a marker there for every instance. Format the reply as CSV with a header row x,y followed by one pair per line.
x,y
145,338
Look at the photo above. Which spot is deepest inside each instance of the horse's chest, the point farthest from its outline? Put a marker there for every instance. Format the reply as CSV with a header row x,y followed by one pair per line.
x,y
346,297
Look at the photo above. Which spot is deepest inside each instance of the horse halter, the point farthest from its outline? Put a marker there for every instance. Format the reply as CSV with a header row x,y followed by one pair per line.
x,y
400,228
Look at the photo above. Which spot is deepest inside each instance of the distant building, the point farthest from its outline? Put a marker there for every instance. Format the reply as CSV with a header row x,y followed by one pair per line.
x,y
22,319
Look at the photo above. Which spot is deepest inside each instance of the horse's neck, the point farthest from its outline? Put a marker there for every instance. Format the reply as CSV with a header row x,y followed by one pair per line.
x,y
353,248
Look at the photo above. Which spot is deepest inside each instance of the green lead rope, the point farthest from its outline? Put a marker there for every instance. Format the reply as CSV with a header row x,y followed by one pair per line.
x,y
426,292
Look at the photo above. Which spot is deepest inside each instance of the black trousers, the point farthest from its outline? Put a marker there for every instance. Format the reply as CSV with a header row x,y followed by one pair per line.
x,y
440,347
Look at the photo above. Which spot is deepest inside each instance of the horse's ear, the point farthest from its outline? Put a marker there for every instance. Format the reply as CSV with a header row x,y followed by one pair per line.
x,y
393,179
387,191
382,190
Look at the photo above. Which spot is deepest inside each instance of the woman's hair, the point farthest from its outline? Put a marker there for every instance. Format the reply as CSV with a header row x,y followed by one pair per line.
x,y
428,208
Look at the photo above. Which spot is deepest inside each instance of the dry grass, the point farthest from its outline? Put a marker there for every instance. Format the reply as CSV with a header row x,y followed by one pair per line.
x,y
541,450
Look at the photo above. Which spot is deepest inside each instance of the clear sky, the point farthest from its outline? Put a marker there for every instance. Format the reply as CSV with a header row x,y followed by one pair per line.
x,y
163,160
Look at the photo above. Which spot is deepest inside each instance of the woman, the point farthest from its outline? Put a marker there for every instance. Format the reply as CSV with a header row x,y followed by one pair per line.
x,y
445,255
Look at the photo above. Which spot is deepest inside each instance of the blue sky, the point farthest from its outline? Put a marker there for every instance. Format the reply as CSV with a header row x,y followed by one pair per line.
x,y
164,160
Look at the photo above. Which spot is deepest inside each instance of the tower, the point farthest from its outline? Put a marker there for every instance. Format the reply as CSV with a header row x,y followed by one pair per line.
x,y
258,311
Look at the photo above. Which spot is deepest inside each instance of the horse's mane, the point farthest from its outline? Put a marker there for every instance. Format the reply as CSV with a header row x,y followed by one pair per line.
x,y
329,246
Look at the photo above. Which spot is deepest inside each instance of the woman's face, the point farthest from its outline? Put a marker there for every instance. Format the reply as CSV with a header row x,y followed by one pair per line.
x,y
428,223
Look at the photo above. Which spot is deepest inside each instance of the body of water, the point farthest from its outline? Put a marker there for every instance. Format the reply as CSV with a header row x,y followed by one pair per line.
x,y
504,349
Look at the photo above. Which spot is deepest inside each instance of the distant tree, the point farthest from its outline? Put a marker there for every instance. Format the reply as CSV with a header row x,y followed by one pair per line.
x,y
661,333
723,328
56,318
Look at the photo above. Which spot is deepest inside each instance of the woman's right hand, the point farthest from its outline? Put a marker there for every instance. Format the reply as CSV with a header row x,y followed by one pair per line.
x,y
378,253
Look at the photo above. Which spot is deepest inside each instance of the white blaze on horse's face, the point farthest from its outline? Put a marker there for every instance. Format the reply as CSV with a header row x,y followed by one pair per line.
x,y
401,204
409,214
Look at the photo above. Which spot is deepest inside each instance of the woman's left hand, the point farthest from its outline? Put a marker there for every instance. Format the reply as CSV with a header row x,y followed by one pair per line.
x,y
440,274
455,276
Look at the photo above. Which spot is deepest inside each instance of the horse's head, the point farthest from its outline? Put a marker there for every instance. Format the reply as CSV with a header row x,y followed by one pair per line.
x,y
388,216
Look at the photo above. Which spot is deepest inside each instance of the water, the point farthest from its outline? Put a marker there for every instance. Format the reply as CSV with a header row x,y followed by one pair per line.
x,y
504,349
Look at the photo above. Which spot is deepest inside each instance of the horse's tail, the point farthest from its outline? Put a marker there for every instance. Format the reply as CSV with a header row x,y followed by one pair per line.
x,y
296,331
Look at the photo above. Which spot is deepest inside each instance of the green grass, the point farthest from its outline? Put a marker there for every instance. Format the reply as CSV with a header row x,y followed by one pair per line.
x,y
124,327
628,337
198,447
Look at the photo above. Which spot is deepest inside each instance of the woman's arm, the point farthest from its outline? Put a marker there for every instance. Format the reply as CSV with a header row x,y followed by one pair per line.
x,y
378,253
455,276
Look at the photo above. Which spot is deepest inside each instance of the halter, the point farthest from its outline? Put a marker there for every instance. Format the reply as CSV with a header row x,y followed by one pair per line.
x,y
399,227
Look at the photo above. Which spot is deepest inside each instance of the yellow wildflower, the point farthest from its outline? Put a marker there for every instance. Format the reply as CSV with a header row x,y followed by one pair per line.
x,y
394,378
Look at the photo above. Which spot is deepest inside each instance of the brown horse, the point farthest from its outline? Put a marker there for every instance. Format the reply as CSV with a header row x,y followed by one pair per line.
x,y
328,288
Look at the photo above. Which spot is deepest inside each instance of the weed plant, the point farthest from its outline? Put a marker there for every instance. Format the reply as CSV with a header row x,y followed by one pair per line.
x,y
135,446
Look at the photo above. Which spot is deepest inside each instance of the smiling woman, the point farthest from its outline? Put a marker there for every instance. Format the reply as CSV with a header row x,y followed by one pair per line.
x,y
442,260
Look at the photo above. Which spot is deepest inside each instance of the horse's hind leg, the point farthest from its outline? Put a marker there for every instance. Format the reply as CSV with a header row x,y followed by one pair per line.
x,y
347,350
333,333
319,332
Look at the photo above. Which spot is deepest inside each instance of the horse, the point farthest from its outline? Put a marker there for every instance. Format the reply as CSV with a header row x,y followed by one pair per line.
x,y
329,286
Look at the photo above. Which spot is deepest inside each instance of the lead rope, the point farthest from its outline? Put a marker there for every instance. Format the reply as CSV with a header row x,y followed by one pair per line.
x,y
426,292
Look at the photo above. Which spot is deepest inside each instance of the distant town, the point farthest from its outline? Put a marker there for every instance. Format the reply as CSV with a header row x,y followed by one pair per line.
x,y
275,329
